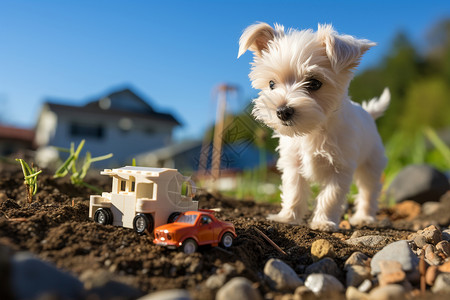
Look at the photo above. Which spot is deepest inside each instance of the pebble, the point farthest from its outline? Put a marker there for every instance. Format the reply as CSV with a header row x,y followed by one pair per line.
x,y
442,283
280,276
446,234
32,277
368,241
345,225
320,249
391,272
216,281
431,274
407,210
388,292
353,293
323,283
238,288
444,248
445,267
175,294
398,251
365,286
430,208
324,266
420,241
357,258
430,255
304,293
432,234
356,275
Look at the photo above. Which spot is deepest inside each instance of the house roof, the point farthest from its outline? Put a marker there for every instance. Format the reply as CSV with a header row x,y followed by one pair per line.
x,y
123,103
14,133
146,171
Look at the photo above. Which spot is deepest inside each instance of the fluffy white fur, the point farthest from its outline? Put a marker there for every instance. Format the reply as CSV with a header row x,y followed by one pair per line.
x,y
328,139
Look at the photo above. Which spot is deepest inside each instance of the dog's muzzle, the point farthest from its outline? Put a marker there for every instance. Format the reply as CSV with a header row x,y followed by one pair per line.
x,y
285,113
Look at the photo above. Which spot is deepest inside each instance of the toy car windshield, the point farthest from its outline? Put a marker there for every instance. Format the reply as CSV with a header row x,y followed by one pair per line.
x,y
190,219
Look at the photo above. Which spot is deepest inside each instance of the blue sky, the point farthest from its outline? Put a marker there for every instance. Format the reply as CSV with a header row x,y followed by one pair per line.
x,y
172,52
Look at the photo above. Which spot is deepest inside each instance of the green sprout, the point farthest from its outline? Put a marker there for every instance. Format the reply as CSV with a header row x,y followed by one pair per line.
x,y
30,174
69,166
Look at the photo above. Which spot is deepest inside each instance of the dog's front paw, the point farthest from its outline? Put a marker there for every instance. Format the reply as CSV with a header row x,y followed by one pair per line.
x,y
360,220
283,217
328,226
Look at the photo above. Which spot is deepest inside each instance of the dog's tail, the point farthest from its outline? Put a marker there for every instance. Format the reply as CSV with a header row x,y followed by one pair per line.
x,y
377,106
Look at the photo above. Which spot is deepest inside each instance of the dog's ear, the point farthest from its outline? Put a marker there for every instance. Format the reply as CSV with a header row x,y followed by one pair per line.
x,y
256,37
343,51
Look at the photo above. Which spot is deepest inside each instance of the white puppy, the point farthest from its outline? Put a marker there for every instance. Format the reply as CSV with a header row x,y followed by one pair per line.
x,y
324,136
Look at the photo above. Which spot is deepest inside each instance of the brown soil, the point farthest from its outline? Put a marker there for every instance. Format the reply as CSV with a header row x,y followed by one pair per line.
x,y
63,234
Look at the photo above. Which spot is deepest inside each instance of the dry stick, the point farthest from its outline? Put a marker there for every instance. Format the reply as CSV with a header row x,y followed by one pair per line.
x,y
270,241
422,270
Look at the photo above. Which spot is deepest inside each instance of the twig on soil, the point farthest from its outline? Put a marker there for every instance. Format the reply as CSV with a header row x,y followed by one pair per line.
x,y
422,270
223,250
18,219
270,241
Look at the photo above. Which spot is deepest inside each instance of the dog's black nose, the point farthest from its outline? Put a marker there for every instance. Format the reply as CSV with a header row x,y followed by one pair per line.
x,y
284,113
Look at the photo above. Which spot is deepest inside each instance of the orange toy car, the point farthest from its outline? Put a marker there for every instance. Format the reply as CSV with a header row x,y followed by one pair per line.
x,y
194,228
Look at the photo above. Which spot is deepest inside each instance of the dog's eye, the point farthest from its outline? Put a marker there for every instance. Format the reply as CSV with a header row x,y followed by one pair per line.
x,y
271,84
313,85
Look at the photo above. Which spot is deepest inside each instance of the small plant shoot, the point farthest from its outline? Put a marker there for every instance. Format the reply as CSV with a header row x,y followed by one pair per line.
x,y
30,175
70,165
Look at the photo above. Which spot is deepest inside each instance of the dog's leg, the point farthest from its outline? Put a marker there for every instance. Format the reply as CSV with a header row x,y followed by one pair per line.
x,y
330,202
295,193
369,186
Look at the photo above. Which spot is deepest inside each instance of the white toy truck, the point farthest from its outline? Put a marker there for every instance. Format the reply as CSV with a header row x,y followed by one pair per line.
x,y
143,198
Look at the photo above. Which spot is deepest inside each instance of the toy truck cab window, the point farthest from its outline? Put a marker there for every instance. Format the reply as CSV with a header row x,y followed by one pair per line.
x,y
122,185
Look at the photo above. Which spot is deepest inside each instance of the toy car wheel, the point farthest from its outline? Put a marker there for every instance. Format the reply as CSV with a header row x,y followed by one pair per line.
x,y
103,216
227,240
142,222
173,217
189,246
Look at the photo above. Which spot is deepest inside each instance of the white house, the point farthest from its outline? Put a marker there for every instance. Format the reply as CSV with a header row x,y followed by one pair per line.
x,y
121,123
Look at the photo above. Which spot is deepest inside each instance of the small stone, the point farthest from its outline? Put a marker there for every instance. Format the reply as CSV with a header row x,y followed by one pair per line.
x,y
432,234
356,234
304,293
281,276
420,241
446,234
430,208
388,292
374,241
324,266
430,255
442,283
175,294
356,275
353,293
345,225
238,288
431,274
398,251
320,249
445,267
216,281
406,210
444,248
391,272
323,283
357,258
365,286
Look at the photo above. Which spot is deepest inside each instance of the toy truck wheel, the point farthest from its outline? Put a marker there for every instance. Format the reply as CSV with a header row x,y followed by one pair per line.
x,y
142,222
227,240
103,216
189,246
173,217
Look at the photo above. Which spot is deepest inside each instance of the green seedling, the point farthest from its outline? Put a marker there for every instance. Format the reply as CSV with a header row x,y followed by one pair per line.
x,y
30,175
70,166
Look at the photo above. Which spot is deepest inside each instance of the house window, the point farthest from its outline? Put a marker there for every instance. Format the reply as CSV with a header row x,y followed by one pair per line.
x,y
86,130
123,185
